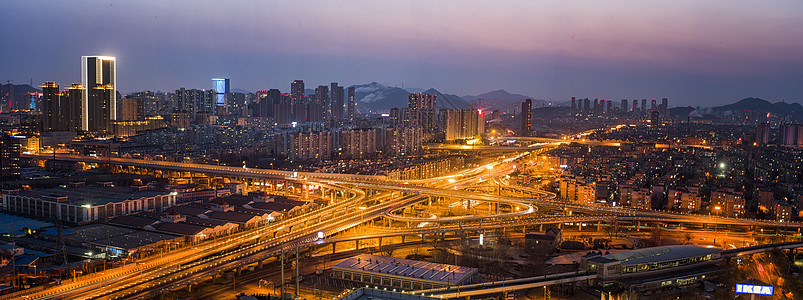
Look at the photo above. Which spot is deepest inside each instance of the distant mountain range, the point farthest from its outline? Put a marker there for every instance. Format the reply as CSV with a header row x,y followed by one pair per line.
x,y
753,105
378,97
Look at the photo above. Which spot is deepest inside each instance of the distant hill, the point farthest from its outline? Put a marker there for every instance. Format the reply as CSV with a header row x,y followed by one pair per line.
x,y
499,99
379,97
448,101
794,110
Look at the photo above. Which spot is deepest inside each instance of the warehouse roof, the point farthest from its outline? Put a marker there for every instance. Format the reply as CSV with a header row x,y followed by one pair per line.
x,y
655,254
412,269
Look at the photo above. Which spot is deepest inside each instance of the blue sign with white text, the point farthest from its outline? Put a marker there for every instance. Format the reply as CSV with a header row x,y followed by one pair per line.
x,y
753,289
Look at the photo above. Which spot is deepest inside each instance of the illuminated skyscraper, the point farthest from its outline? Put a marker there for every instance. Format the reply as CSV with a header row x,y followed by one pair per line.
x,y
99,79
221,87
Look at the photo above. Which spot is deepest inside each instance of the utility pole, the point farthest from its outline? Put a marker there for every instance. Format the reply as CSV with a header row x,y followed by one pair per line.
x,y
297,278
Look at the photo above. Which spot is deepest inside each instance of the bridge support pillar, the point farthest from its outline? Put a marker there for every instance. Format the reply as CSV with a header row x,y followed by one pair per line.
x,y
334,247
357,244
580,226
402,239
599,226
239,270
262,262
638,225
541,228
189,288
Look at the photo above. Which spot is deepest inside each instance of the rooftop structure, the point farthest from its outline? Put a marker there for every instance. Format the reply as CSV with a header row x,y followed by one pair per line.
x,y
85,204
404,274
650,261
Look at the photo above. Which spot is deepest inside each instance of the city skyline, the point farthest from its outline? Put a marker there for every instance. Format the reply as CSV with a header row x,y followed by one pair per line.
x,y
693,53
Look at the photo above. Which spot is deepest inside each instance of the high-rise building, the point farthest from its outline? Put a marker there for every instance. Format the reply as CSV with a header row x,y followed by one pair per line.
x,y
316,111
53,108
586,106
75,100
461,124
338,102
9,157
221,87
352,103
763,134
526,117
643,106
623,106
653,105
99,79
788,135
665,106
609,107
297,90
574,105
421,111
635,106
132,109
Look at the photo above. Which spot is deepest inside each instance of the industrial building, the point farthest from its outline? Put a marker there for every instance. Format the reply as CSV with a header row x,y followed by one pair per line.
x,y
403,274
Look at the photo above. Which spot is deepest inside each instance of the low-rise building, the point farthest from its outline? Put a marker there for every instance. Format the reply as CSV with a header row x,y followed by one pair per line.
x,y
403,274
85,204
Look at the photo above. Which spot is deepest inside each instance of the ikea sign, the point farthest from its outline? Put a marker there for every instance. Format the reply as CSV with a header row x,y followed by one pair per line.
x,y
753,289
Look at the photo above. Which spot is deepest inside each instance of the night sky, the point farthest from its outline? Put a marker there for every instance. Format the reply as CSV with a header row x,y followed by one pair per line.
x,y
693,52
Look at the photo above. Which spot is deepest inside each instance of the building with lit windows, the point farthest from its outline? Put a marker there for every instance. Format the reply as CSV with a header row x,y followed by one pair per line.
x,y
655,267
99,79
10,147
83,204
310,145
221,87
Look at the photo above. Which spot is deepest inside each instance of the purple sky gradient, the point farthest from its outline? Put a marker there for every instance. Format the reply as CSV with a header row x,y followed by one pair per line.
x,y
693,52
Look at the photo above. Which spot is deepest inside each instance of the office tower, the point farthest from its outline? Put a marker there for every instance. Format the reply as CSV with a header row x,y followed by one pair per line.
x,y
665,104
221,87
10,148
574,105
132,109
763,134
635,106
421,111
526,117
352,104
610,106
338,102
297,90
75,100
596,106
643,105
653,105
99,79
623,106
53,108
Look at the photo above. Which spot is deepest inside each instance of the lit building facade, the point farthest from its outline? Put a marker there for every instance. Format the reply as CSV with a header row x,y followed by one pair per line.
x,y
99,79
